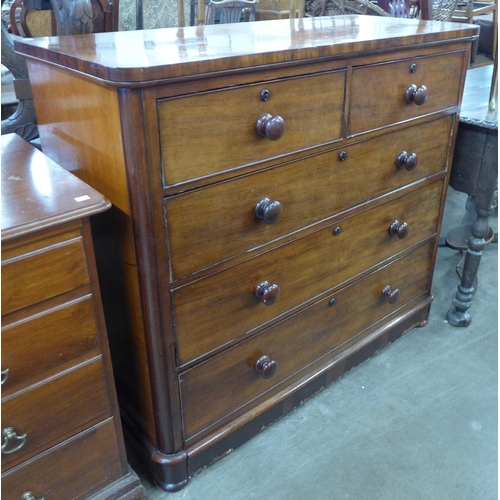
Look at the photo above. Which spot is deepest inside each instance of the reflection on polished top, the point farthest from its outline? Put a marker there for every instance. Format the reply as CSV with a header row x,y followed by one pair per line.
x,y
141,56
37,193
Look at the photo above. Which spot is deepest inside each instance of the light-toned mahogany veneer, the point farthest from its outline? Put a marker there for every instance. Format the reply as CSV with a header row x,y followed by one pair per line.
x,y
278,189
57,383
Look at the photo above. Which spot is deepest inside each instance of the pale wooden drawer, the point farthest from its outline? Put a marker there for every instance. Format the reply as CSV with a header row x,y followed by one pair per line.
x,y
223,307
216,131
212,224
227,382
70,470
25,274
47,339
378,91
53,411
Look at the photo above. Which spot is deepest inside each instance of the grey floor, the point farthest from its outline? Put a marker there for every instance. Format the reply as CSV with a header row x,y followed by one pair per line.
x,y
418,421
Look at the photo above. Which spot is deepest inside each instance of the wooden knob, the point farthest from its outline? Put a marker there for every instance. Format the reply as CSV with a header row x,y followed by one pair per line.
x,y
399,229
268,211
417,95
272,127
407,161
392,295
266,367
267,292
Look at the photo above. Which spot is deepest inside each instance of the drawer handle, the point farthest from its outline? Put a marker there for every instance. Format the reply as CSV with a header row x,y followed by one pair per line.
x,y
272,127
392,295
29,496
13,442
267,292
266,366
399,229
5,375
407,161
415,94
268,211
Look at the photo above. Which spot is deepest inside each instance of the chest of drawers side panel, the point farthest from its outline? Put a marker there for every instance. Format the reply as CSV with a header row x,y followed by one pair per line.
x,y
81,130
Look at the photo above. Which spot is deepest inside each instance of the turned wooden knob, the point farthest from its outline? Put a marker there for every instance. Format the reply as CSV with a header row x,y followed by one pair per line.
x,y
268,211
272,127
399,229
267,292
266,366
392,295
417,95
407,161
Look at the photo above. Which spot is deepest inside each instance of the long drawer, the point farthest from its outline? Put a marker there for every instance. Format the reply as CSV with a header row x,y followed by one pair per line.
x,y
53,411
47,339
231,380
220,308
70,470
24,275
393,92
215,223
215,131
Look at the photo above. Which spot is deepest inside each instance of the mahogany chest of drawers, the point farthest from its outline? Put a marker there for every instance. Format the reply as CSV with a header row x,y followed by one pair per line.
x,y
61,431
278,189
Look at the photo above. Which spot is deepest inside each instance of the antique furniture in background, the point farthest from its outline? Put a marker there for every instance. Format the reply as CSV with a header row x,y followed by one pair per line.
x,y
231,11
475,172
275,219
61,430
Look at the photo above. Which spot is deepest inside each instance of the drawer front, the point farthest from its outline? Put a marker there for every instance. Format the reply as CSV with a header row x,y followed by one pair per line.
x,y
378,93
216,310
43,274
53,411
215,223
70,470
216,131
39,342
229,381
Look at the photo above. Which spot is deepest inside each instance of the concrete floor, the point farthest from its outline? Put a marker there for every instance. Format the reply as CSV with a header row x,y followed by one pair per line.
x,y
418,421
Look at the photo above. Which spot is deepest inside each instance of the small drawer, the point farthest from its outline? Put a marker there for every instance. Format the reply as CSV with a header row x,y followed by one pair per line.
x,y
216,131
52,411
35,276
47,339
224,306
228,382
69,470
212,224
383,94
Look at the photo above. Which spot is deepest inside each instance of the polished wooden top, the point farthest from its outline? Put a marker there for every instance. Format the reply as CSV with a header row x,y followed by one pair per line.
x,y
37,193
475,109
129,57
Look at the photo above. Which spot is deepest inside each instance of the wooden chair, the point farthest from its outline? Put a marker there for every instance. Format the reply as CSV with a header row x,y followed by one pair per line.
x,y
231,11
397,8
343,7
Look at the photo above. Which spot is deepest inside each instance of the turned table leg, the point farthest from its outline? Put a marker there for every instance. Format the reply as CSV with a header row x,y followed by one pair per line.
x,y
485,188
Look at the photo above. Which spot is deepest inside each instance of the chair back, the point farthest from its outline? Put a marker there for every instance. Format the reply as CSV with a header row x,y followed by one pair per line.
x,y
231,11
396,8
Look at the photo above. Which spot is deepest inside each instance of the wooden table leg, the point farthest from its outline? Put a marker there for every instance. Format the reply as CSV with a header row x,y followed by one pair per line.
x,y
485,188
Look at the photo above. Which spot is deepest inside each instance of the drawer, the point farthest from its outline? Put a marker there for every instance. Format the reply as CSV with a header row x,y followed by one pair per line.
x,y
378,91
220,308
230,381
216,131
212,224
47,339
53,411
42,274
70,470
